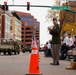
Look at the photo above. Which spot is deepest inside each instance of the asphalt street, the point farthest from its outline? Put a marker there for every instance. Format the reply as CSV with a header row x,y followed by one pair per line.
x,y
19,64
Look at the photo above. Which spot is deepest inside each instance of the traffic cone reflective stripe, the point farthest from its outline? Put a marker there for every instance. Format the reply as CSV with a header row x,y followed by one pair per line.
x,y
34,50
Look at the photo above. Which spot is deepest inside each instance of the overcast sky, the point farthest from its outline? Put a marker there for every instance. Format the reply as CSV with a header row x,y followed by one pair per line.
x,y
39,13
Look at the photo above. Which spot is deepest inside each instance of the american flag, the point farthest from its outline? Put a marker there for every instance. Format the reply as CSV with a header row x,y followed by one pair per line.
x,y
34,42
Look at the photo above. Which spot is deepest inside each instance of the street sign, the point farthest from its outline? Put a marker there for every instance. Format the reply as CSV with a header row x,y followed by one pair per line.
x,y
60,7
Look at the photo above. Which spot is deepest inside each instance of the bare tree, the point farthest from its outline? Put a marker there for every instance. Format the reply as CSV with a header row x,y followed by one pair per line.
x,y
53,13
62,15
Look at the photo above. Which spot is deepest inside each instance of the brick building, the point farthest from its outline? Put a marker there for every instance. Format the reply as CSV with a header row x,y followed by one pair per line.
x,y
5,24
10,25
1,11
15,28
29,25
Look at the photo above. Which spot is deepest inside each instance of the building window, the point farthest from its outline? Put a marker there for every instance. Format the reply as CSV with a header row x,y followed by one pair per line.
x,y
7,18
30,18
36,23
22,32
18,23
22,28
28,32
22,40
37,38
35,20
11,21
37,33
23,18
28,44
27,40
30,23
22,36
11,28
37,30
27,28
7,35
28,36
22,24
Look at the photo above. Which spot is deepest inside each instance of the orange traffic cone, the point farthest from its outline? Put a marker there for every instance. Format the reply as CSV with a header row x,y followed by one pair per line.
x,y
34,64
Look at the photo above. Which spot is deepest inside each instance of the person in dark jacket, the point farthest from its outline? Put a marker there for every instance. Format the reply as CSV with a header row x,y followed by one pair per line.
x,y
56,41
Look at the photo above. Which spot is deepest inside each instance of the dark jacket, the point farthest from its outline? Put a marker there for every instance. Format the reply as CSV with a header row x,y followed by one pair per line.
x,y
55,32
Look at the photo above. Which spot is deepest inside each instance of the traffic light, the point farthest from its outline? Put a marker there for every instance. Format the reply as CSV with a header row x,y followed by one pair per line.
x,y
28,5
5,6
5,3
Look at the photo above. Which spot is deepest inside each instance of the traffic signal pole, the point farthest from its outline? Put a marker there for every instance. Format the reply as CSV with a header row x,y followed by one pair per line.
x,y
30,6
43,6
71,11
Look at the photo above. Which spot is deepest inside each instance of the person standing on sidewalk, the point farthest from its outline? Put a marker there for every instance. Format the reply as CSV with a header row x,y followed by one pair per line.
x,y
56,41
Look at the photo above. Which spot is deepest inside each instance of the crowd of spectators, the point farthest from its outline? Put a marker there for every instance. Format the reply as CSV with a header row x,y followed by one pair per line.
x,y
68,47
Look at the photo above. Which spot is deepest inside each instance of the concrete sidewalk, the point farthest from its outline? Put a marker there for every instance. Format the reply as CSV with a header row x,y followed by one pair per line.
x,y
48,69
